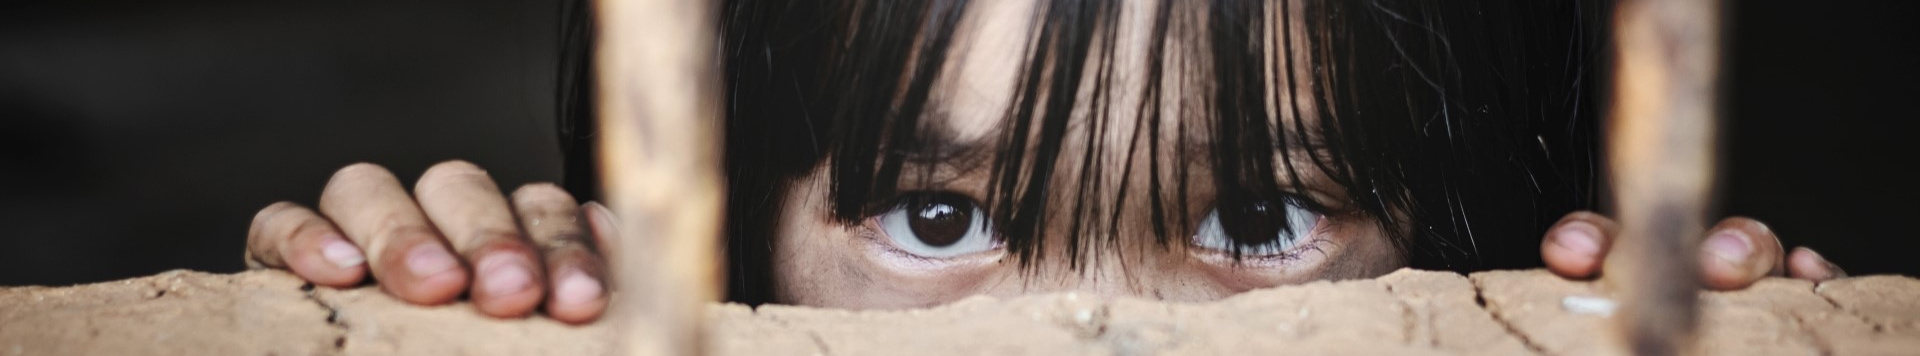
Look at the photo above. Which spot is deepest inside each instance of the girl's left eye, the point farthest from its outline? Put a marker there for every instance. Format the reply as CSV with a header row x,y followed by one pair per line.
x,y
938,225
1259,229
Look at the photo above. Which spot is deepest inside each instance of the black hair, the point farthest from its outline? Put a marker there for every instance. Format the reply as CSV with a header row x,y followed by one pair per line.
x,y
1464,127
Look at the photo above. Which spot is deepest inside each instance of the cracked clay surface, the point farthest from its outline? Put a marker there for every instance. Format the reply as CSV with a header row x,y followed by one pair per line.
x,y
1407,312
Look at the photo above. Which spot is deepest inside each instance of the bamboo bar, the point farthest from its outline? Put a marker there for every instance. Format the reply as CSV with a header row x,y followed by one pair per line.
x,y
1661,151
659,146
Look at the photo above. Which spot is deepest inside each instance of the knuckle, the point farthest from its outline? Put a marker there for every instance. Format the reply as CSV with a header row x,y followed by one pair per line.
x,y
267,214
271,224
546,212
450,173
541,201
362,169
563,242
353,184
542,193
394,226
1585,215
310,227
492,234
453,167
360,173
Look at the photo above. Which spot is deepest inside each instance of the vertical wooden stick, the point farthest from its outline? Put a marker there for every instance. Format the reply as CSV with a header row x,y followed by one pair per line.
x,y
1662,155
659,120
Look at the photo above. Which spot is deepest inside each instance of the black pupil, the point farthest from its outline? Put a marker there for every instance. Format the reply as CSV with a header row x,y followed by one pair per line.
x,y
1254,224
940,220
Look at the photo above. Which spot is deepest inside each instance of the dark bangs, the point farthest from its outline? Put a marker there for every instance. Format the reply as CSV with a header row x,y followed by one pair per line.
x,y
1462,127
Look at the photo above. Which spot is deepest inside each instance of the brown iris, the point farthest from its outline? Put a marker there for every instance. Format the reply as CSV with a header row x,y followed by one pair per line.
x,y
940,220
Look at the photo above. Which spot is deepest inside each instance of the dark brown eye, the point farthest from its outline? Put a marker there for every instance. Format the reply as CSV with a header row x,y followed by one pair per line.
x,y
1252,224
1256,228
940,220
937,225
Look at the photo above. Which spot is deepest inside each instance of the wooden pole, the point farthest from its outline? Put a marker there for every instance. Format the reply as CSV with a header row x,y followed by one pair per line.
x,y
660,162
1662,154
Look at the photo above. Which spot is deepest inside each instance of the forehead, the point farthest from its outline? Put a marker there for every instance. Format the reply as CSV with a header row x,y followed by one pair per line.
x,y
990,55
987,57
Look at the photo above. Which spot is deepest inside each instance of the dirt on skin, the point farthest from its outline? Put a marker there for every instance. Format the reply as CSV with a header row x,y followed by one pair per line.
x,y
1407,312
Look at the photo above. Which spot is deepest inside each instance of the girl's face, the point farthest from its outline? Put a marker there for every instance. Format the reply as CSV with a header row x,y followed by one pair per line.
x,y
938,244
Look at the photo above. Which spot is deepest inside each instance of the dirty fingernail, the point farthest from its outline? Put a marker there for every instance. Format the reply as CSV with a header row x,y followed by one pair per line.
x,y
429,259
576,288
336,249
504,274
1730,246
1579,237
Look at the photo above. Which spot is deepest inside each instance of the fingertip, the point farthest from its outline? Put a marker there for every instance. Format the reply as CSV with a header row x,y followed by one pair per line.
x,y
439,288
507,285
330,276
1726,261
426,274
327,259
1750,225
1720,275
1574,249
1805,263
577,298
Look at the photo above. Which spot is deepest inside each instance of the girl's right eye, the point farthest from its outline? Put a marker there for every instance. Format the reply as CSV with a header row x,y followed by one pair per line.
x,y
938,225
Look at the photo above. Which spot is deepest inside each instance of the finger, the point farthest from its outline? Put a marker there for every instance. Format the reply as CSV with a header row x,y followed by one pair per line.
x,y
1804,263
1577,244
605,228
1737,252
552,221
287,235
469,210
407,255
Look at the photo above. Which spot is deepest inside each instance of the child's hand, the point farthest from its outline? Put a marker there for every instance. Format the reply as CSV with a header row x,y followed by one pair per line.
x,y
423,247
1736,252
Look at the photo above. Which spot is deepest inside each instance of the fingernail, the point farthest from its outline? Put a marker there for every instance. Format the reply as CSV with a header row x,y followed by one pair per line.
x,y
576,288
429,259
1729,245
504,274
1579,237
336,249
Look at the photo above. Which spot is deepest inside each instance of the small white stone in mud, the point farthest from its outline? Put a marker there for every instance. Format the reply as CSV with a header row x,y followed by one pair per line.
x,y
1588,305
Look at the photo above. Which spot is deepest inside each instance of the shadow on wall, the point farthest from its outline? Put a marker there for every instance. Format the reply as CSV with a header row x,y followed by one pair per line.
x,y
137,137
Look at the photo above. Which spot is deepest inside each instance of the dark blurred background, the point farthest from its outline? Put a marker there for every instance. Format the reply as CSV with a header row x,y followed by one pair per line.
x,y
138,137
